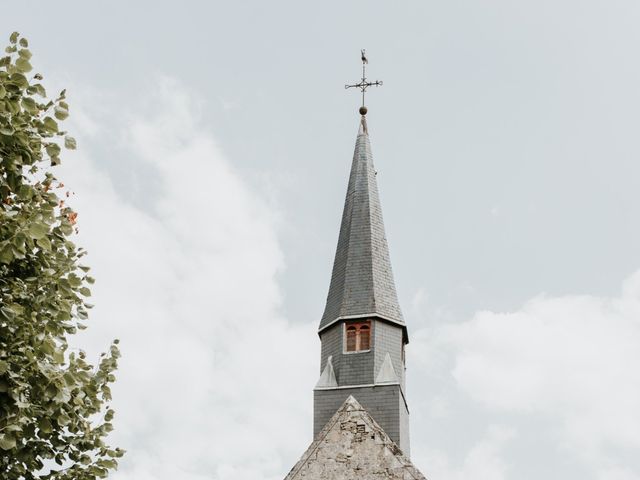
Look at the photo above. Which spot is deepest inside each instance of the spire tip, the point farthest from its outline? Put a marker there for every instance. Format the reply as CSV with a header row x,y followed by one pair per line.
x,y
363,130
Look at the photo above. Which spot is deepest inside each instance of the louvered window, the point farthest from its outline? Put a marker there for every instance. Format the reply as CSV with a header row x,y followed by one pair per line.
x,y
358,336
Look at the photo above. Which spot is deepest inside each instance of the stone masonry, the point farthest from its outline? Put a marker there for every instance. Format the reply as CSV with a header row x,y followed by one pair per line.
x,y
385,403
352,446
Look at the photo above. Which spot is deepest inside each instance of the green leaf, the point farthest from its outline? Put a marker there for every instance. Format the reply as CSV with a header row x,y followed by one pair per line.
x,y
19,80
50,125
44,424
7,312
38,230
7,441
6,254
4,366
29,104
48,346
63,419
7,130
44,243
23,42
70,143
24,53
108,463
40,90
23,65
85,291
13,38
63,395
53,149
58,356
60,112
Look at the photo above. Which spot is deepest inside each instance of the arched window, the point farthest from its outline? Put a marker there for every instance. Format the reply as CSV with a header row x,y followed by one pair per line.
x,y
364,337
358,336
352,332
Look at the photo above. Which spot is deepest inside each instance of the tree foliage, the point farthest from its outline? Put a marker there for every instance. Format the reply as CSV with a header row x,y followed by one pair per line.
x,y
54,413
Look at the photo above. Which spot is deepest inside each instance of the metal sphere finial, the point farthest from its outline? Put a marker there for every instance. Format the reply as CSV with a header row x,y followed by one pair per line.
x,y
363,110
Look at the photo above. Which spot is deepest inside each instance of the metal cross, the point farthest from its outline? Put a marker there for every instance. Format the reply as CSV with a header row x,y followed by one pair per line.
x,y
363,85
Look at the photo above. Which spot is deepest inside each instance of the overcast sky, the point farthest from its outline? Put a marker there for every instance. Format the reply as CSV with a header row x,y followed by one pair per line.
x,y
215,140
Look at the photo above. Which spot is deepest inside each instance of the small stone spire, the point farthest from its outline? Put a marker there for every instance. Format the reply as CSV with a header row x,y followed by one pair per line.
x,y
328,376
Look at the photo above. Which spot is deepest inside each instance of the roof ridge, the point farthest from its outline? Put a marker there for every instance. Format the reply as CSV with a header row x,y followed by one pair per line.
x,y
374,299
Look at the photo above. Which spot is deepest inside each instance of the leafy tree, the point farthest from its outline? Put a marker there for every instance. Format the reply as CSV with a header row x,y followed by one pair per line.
x,y
54,414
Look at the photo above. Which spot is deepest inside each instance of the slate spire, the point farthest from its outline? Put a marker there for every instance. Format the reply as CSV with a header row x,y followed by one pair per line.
x,y
362,280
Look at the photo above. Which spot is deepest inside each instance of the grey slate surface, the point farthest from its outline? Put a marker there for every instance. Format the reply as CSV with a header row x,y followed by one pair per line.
x,y
362,279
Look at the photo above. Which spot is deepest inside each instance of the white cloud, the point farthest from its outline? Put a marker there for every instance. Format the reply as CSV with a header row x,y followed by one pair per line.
x,y
617,473
186,258
485,460
572,359
188,282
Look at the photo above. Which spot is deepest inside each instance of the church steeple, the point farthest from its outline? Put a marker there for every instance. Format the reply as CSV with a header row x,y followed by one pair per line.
x,y
362,280
360,412
362,331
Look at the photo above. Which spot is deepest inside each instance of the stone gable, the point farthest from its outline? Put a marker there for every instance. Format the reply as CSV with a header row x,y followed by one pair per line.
x,y
352,446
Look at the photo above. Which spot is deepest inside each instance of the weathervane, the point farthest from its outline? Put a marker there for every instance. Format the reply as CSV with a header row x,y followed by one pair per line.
x,y
363,85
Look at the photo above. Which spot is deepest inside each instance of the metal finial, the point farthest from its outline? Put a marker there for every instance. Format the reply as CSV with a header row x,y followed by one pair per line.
x,y
363,85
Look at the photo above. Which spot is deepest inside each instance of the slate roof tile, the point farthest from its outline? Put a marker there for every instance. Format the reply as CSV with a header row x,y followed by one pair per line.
x,y
362,278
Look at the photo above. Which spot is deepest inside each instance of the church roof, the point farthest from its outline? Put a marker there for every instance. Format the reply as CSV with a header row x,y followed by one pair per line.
x,y
352,446
362,280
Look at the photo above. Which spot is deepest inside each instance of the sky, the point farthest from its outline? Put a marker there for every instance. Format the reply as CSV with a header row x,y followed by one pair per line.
x,y
214,143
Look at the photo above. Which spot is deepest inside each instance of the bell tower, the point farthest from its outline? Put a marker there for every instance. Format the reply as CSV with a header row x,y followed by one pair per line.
x,y
362,331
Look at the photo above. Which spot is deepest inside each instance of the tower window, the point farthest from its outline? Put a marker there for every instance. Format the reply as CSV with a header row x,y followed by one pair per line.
x,y
358,336
352,333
